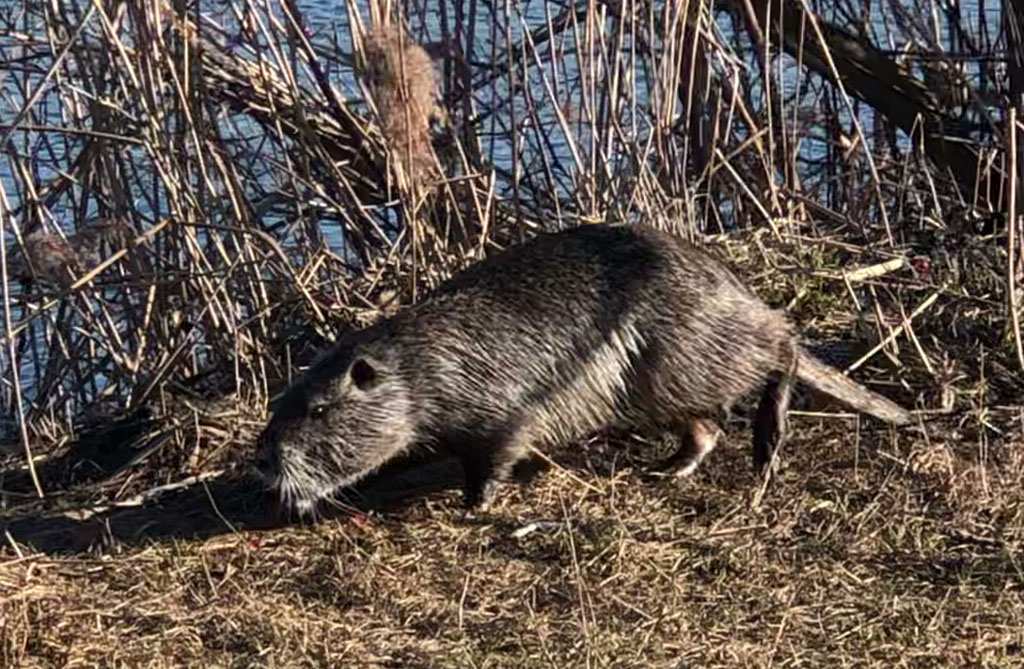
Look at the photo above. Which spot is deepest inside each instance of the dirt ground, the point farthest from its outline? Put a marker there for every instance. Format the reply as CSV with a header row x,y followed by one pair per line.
x,y
873,548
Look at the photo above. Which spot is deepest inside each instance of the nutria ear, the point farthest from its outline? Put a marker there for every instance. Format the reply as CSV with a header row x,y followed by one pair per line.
x,y
363,374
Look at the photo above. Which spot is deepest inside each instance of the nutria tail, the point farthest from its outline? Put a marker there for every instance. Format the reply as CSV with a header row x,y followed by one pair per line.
x,y
831,381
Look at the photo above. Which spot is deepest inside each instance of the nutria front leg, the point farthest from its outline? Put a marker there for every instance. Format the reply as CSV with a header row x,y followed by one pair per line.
x,y
486,463
525,470
478,478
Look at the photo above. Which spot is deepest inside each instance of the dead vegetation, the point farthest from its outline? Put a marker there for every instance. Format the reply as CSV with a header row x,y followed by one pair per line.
x,y
193,204
877,551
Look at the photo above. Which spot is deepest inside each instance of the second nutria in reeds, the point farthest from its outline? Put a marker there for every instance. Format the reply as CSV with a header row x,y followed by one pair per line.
x,y
404,86
544,343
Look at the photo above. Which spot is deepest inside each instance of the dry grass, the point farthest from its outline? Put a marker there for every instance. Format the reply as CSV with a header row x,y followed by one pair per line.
x,y
246,184
878,552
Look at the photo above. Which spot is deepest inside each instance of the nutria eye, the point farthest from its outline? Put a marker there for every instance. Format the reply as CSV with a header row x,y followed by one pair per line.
x,y
319,411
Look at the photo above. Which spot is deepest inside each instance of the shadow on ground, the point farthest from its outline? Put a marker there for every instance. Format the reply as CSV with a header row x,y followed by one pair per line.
x,y
221,506
101,453
237,502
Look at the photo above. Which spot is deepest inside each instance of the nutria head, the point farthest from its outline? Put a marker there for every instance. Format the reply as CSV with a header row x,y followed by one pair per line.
x,y
344,418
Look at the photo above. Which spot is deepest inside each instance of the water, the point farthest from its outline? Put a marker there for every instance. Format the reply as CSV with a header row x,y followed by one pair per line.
x,y
558,74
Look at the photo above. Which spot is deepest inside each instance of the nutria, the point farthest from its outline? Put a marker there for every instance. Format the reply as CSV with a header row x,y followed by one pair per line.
x,y
543,343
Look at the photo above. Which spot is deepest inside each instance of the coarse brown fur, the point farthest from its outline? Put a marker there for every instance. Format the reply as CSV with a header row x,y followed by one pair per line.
x,y
541,344
403,82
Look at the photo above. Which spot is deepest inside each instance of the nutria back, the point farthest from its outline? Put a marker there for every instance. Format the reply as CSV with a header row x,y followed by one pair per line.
x,y
543,343
581,324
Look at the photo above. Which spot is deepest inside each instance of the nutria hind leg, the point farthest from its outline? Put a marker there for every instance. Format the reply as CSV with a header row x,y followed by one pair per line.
x,y
770,422
697,439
